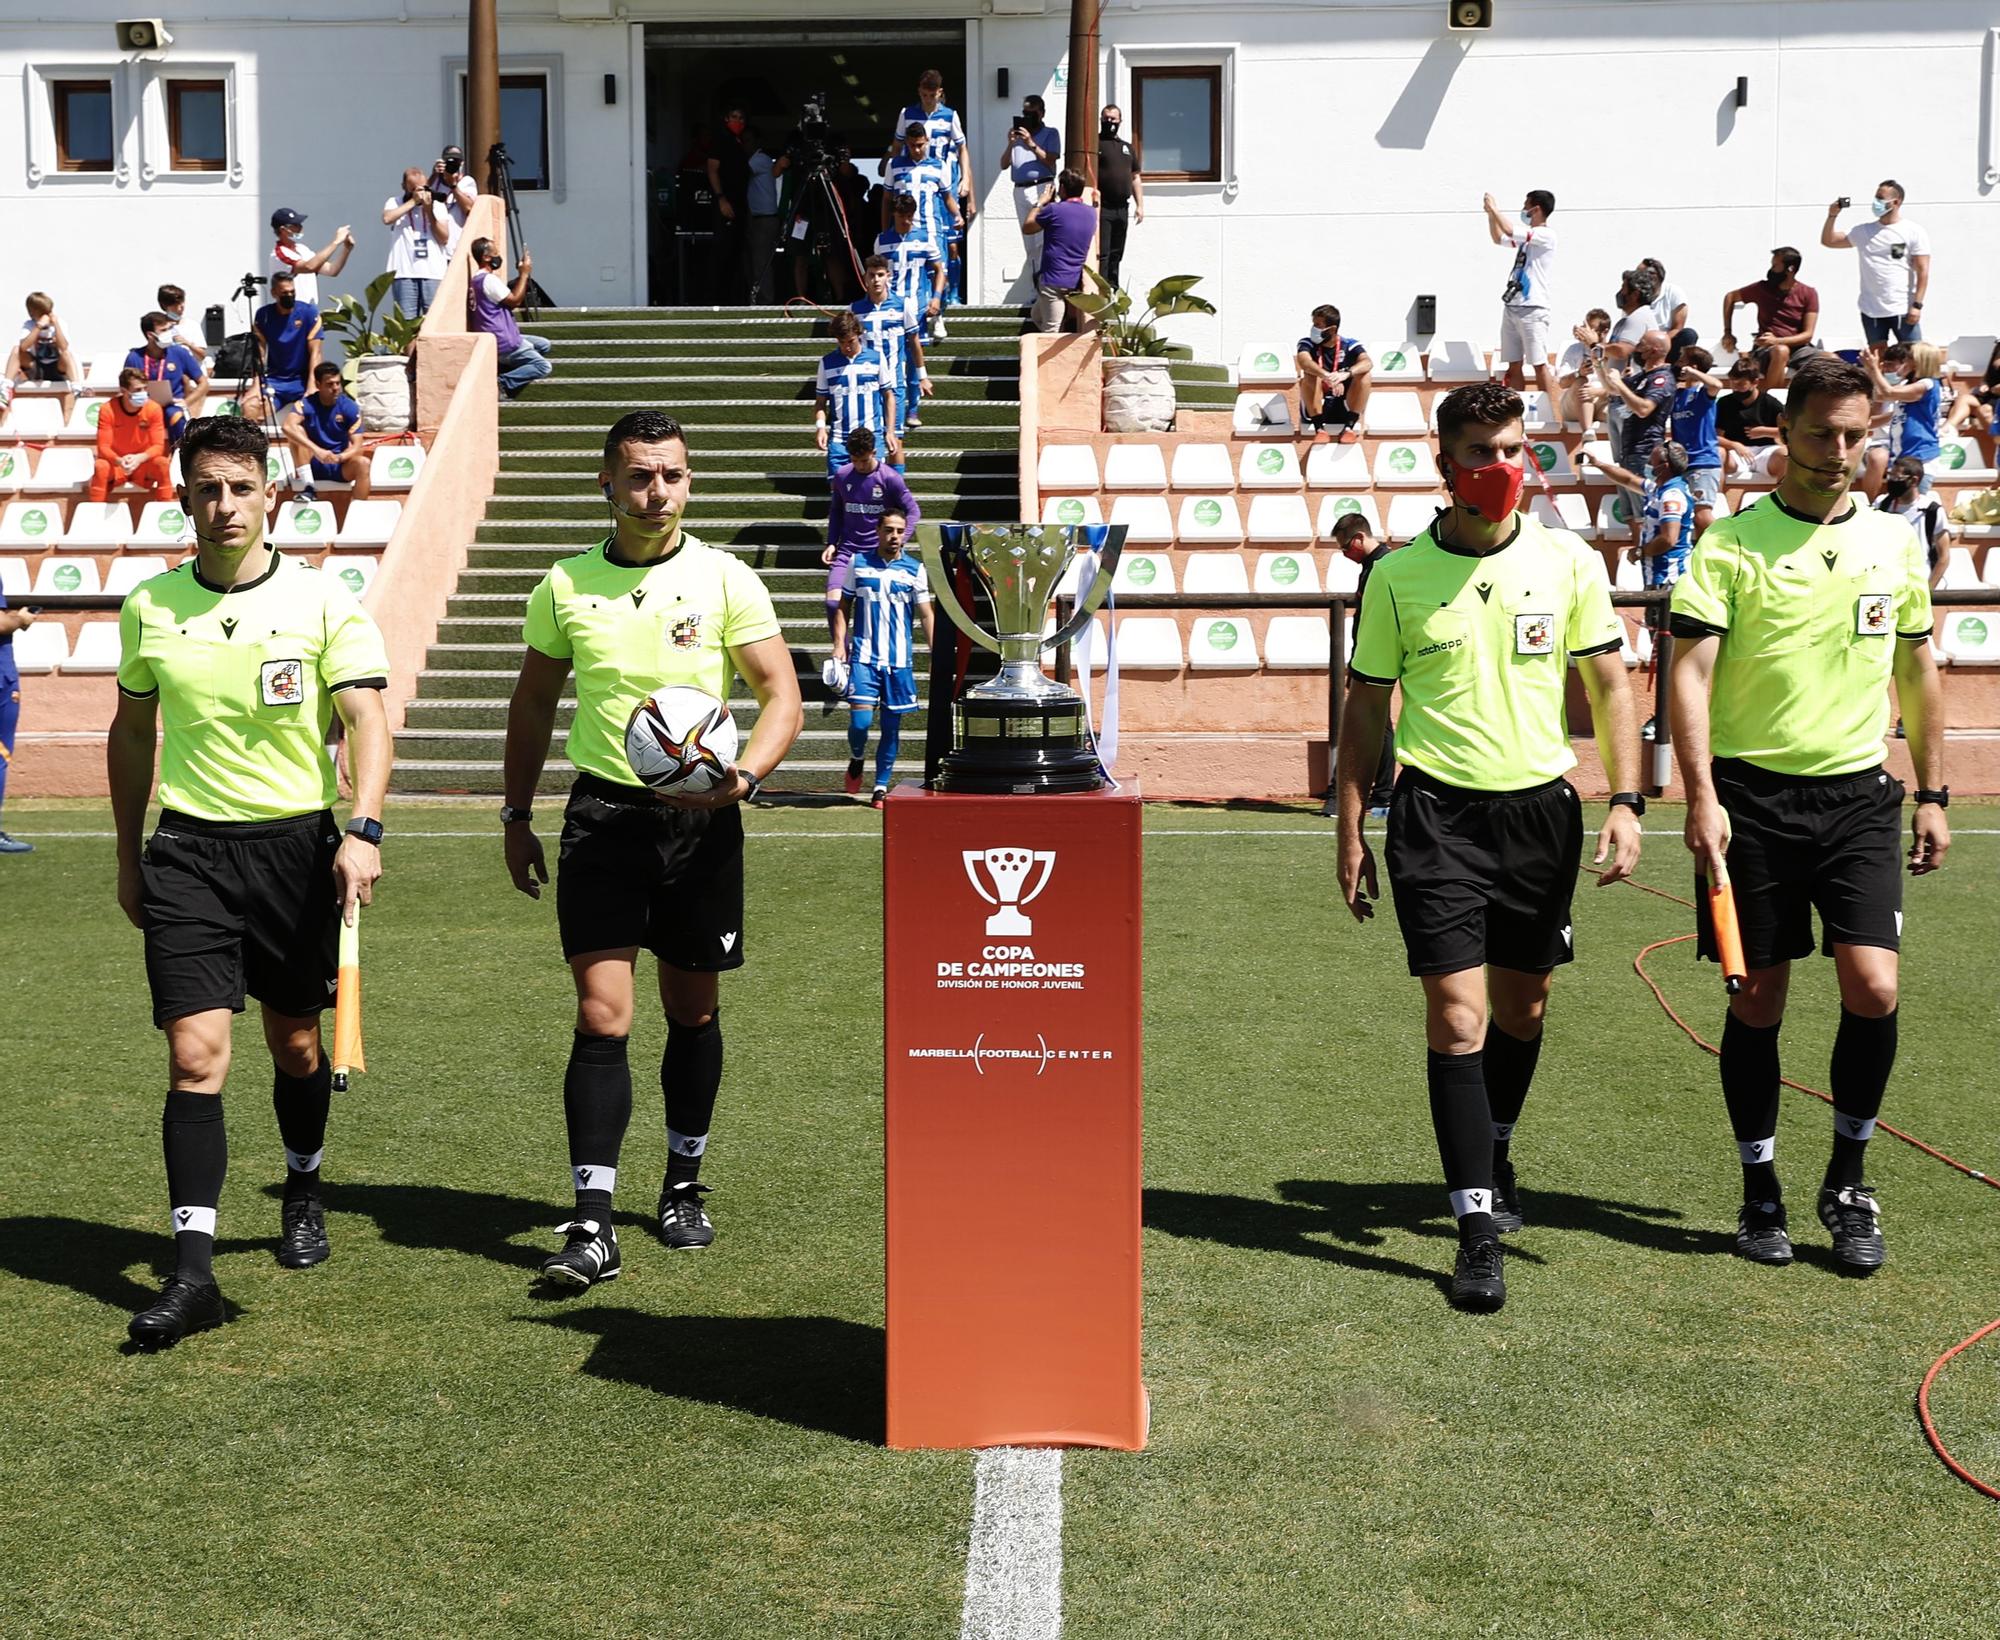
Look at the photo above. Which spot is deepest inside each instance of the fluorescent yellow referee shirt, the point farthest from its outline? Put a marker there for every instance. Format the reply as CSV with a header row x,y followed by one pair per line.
x,y
246,678
628,629
1480,644
1809,615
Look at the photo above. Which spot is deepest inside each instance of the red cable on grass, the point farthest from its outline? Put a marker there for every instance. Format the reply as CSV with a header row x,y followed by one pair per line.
x,y
1924,1390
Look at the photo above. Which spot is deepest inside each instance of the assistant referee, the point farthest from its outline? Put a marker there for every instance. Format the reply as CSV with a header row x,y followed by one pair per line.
x,y
1476,619
647,606
239,659
1794,616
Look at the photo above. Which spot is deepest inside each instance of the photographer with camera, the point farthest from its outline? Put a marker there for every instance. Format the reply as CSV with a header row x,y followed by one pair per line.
x,y
1030,153
418,244
490,304
452,188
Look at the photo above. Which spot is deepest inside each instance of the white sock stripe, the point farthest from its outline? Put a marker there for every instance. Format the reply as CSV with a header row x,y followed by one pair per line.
x,y
199,1219
1757,1150
298,1162
1470,1201
593,1176
1013,1568
686,1144
1859,1128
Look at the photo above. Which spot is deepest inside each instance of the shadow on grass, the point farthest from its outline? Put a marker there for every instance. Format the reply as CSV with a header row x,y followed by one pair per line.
x,y
813,1371
434,1216
92,1259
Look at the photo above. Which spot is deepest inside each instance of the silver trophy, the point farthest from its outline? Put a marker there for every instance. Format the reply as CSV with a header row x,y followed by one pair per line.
x,y
1020,730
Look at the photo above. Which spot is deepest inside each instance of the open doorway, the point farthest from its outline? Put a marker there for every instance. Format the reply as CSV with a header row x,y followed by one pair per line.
x,y
696,72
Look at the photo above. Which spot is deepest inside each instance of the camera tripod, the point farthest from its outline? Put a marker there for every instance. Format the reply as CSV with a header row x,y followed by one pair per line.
x,y
500,177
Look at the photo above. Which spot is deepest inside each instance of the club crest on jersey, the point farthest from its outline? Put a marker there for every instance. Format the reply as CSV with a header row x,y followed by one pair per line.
x,y
281,683
1871,614
1534,634
686,631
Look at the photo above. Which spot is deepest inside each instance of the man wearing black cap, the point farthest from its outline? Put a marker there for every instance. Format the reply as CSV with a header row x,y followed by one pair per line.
x,y
453,188
291,254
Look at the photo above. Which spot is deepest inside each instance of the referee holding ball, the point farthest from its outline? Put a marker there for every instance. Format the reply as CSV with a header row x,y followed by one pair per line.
x,y
1793,618
239,658
1476,619
647,606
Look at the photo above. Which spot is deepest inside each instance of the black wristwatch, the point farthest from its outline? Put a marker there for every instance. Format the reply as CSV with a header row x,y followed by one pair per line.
x,y
754,782
369,831
1635,801
509,815
1941,797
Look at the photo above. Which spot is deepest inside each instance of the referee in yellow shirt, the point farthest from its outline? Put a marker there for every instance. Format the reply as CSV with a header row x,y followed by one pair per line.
x,y
647,606
1477,619
238,659
1793,617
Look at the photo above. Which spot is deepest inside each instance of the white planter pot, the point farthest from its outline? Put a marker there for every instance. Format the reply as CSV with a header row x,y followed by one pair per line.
x,y
1138,396
382,390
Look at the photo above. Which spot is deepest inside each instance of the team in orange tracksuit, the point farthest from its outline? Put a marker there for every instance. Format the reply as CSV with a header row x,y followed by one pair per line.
x,y
123,431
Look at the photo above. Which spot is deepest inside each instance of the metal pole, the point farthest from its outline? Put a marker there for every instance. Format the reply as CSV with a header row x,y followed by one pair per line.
x,y
1663,723
482,88
1080,116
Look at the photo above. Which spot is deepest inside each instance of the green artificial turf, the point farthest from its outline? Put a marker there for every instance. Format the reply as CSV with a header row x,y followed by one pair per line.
x,y
1652,1439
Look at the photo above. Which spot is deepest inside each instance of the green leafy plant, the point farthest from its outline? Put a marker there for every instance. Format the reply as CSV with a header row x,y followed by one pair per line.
x,y
352,322
1125,337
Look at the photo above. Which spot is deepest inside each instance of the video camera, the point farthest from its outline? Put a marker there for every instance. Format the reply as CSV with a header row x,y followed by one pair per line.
x,y
247,289
444,185
812,142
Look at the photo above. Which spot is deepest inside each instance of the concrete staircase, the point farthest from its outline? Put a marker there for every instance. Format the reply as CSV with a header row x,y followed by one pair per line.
x,y
740,381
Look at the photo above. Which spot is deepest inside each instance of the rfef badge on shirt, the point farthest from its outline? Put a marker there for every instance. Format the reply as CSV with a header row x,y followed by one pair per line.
x,y
1874,614
1534,634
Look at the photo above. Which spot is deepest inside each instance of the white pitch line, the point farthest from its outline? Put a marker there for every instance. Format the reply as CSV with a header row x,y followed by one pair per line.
x,y
1013,1569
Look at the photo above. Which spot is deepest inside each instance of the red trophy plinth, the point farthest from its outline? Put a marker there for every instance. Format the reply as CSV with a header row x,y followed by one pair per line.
x,y
1012,1093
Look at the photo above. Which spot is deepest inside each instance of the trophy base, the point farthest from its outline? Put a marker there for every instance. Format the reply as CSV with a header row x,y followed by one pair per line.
x,y
1019,746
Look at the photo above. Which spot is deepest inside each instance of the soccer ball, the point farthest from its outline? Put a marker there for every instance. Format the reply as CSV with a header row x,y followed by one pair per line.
x,y
680,740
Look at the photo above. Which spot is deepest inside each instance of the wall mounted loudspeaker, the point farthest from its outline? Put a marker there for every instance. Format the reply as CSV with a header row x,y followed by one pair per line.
x,y
143,34
1469,14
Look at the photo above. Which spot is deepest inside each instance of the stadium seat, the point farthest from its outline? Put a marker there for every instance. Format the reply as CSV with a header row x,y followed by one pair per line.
x,y
1268,467
1298,642
1536,416
1216,572
1553,459
303,524
1203,467
13,468
61,577
102,526
1960,573
31,524
1405,465
1279,519
1143,572
35,419
81,428
1266,364
1135,467
1637,648
1334,507
127,572
1395,413
1149,643
1967,356
1209,521
40,648
1401,363
1259,413
1970,637
1993,570
1628,576
1958,460
1457,361
1146,519
1337,467
162,523
395,466
96,648
66,469
1068,510
1411,515
372,523
101,366
1222,642
1284,572
1567,511
1067,467
13,577
358,574
1343,575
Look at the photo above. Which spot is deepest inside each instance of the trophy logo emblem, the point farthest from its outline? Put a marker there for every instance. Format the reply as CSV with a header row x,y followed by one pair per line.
x,y
1009,869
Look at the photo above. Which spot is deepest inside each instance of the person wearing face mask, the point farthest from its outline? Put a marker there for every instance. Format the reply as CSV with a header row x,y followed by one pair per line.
x,y
1905,493
949,147
291,254
1121,192
1643,401
1746,424
1908,380
288,336
1787,316
490,304
1526,301
172,301
420,234
1334,373
1895,266
1476,620
729,180
1029,155
132,442
170,369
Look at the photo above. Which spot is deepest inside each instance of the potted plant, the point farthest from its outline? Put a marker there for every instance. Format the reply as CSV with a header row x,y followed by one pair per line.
x,y
377,367
1138,381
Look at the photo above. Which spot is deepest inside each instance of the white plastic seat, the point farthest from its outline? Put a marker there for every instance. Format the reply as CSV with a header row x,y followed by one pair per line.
x,y
1396,412
1284,572
63,468
1067,467
1967,355
1149,643
1629,577
162,524
1280,519
1143,572
1222,642
1589,474
1135,467
358,574
1402,363
62,577
1261,412
95,649
1614,519
1405,465
1216,572
13,468
1958,459
13,577
1969,637
127,572
1343,575
31,524
34,418
1567,511
103,526
81,428
1069,510
1298,642
1454,360
1638,645
1410,516
1209,521
303,524
1992,569
371,523
1146,519
1268,467
1536,416
40,648
395,466
1553,459
1337,467
1203,467
1266,364
1960,572
1334,507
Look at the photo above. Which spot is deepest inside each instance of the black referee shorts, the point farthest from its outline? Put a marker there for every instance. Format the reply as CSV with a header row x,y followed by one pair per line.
x,y
634,873
1483,877
235,907
1797,845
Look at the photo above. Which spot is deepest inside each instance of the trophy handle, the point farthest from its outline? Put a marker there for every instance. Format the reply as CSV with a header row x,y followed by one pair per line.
x,y
930,545
1091,598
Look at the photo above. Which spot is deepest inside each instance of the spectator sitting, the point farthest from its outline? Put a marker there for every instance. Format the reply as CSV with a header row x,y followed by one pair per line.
x,y
1065,227
420,231
1028,155
320,430
490,304
1787,315
1904,488
1908,379
132,442
1746,423
1334,373
169,369
287,332
173,303
1895,266
1693,421
1972,408
1358,545
1670,309
853,387
1637,291
43,353
292,255
1576,375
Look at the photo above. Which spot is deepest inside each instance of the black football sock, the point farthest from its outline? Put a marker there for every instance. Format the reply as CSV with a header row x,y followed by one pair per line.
x,y
690,1073
1465,1138
1864,1052
1510,1068
1750,1090
197,1149
302,1103
597,1105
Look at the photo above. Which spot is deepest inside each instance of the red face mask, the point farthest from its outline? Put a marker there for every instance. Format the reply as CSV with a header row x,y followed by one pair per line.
x,y
1493,491
735,126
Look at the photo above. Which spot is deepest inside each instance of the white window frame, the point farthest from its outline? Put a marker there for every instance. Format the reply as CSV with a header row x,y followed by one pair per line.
x,y
1222,55
38,86
156,152
547,64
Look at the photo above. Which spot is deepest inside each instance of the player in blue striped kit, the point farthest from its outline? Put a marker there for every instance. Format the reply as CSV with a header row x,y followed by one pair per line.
x,y
948,147
875,630
890,324
916,268
854,389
